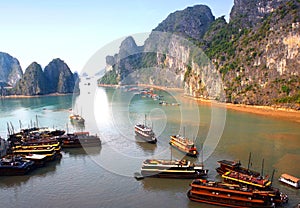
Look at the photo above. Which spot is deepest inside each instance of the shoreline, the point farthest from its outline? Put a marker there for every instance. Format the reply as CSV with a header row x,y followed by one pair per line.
x,y
34,96
267,111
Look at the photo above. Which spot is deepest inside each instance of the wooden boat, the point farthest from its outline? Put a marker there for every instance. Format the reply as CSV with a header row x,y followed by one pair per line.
x,y
232,195
250,180
290,180
40,141
172,169
15,166
184,144
227,165
79,139
50,152
46,131
39,160
25,135
145,132
77,119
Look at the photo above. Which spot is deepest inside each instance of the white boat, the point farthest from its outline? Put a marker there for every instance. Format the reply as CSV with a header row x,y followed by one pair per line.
x,y
172,169
145,132
290,180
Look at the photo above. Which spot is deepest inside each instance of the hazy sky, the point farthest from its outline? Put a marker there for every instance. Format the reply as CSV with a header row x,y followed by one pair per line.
x,y
73,30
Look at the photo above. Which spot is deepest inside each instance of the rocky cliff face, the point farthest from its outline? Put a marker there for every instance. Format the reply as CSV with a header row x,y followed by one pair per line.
x,y
59,77
33,82
10,70
262,70
56,78
191,22
248,13
252,60
161,50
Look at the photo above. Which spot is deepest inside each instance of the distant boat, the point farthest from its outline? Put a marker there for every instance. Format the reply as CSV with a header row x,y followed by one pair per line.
x,y
184,144
172,169
145,132
234,195
290,180
77,119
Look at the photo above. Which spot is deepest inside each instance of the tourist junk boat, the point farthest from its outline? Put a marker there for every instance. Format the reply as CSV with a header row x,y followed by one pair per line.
x,y
48,151
79,139
228,165
233,195
249,180
172,169
39,160
184,144
290,180
145,132
10,166
77,119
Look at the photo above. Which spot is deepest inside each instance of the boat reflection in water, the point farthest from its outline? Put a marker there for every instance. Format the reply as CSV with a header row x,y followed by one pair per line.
x,y
145,146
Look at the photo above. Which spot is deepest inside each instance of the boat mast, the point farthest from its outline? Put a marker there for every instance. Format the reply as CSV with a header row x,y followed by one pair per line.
x,y
272,176
37,123
171,152
262,167
67,128
202,162
20,124
145,120
249,161
12,127
184,132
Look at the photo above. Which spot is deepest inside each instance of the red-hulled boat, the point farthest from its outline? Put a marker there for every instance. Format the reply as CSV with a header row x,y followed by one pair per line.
x,y
233,195
184,144
250,180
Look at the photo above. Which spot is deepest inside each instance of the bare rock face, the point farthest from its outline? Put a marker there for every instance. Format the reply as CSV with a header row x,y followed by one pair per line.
x,y
59,77
248,13
33,82
10,70
192,22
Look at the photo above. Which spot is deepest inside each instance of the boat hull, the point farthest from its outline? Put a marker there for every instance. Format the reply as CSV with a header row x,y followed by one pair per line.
x,y
146,138
186,152
22,169
180,175
224,202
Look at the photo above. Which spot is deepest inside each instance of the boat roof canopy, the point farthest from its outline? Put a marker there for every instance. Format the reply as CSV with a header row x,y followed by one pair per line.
x,y
292,178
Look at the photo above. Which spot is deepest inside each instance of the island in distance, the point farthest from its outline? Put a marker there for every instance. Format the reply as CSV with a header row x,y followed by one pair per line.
x,y
55,78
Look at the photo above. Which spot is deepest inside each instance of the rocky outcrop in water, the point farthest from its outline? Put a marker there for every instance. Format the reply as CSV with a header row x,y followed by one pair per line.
x,y
10,70
33,82
56,78
59,77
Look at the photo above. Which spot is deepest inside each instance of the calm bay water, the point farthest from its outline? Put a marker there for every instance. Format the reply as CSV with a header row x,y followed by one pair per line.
x,y
103,177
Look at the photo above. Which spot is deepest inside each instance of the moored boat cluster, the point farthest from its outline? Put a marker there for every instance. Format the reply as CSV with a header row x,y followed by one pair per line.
x,y
34,147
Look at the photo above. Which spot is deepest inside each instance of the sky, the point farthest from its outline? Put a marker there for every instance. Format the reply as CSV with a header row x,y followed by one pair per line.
x,y
73,30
